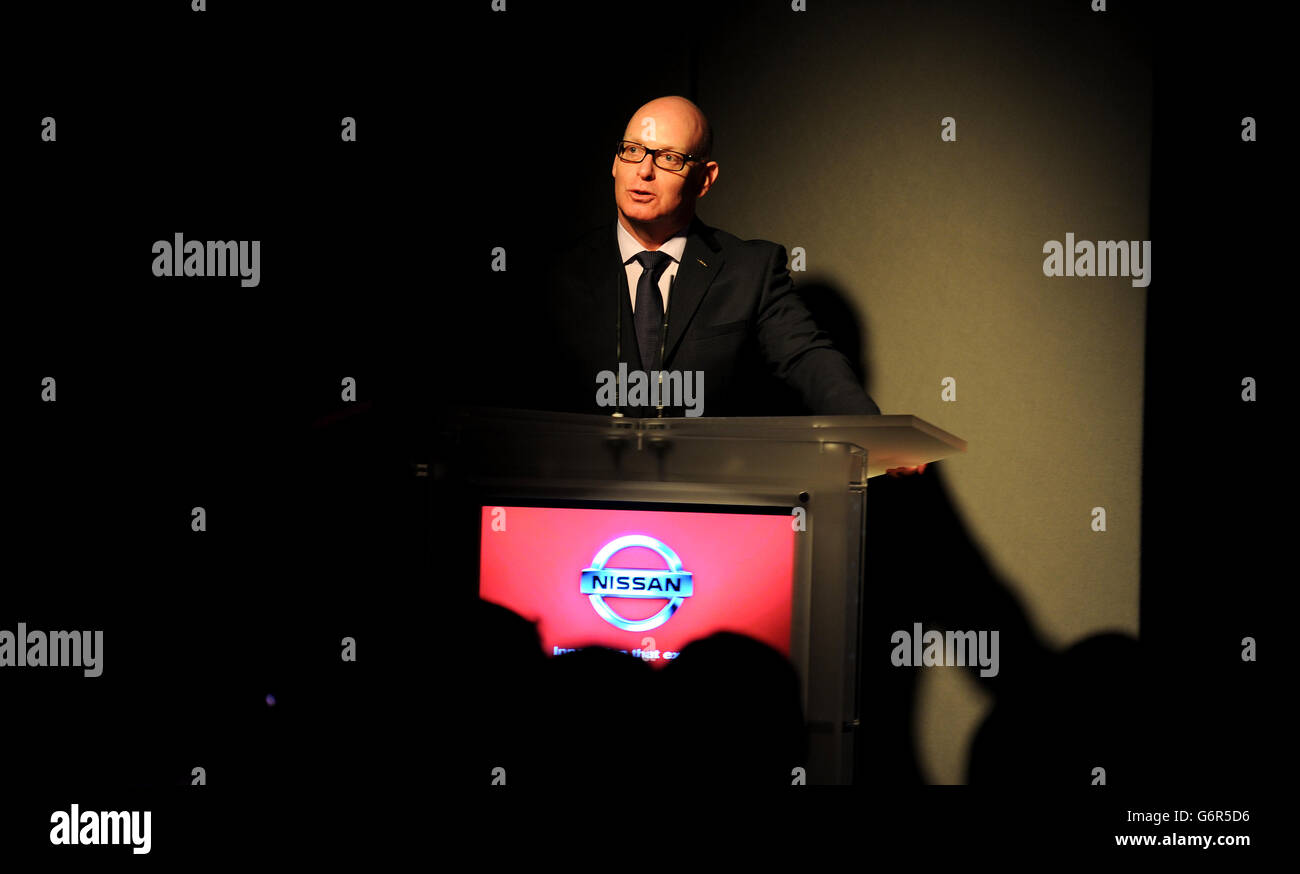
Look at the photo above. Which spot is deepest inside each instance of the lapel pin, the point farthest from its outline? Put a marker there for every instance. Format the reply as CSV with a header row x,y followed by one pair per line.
x,y
702,264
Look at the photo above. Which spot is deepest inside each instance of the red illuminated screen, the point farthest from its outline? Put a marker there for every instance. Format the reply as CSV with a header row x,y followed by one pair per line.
x,y
741,566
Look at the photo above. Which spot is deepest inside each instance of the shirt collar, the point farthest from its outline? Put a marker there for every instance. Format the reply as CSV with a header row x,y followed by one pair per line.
x,y
629,248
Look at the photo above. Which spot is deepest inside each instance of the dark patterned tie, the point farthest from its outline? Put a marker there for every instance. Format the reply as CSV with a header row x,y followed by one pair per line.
x,y
650,306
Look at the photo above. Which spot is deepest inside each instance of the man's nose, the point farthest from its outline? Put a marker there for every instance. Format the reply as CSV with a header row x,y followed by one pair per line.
x,y
646,169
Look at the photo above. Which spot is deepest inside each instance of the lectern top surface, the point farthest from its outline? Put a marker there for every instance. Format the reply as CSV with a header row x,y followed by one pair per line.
x,y
890,441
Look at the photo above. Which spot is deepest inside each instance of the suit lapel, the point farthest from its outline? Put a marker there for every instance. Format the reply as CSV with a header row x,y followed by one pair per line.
x,y
701,262
627,329
612,319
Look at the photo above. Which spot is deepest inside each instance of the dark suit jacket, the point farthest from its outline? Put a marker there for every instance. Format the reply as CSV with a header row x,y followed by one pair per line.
x,y
732,314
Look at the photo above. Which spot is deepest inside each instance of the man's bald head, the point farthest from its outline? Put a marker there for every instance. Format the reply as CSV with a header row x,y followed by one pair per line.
x,y
654,202
677,118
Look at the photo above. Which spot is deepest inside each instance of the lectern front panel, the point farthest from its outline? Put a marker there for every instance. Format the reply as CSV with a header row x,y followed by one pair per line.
x,y
644,581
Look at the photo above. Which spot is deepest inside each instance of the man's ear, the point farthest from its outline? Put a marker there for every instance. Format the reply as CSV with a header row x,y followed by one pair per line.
x,y
709,176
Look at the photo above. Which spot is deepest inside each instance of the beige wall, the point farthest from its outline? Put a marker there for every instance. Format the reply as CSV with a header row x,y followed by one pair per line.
x,y
830,141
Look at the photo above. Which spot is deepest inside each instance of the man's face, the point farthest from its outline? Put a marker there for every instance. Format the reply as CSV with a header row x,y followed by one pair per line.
x,y
648,193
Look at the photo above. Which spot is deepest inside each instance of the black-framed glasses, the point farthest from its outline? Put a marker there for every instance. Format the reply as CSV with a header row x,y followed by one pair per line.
x,y
634,153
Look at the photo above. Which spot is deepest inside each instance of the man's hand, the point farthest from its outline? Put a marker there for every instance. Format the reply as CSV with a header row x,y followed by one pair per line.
x,y
905,471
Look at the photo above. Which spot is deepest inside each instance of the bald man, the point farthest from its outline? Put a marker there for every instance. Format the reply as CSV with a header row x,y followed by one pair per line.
x,y
708,319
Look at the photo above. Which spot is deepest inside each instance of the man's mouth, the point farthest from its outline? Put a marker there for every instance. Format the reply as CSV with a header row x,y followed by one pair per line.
x,y
640,195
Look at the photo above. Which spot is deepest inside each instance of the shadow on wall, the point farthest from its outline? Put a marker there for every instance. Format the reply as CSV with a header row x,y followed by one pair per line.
x,y
1145,717
836,315
1055,715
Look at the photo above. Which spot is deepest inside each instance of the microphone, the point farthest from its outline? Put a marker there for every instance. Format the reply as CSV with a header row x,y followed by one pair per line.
x,y
618,348
663,344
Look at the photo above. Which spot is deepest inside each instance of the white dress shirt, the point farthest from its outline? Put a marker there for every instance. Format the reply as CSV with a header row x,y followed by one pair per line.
x,y
629,248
